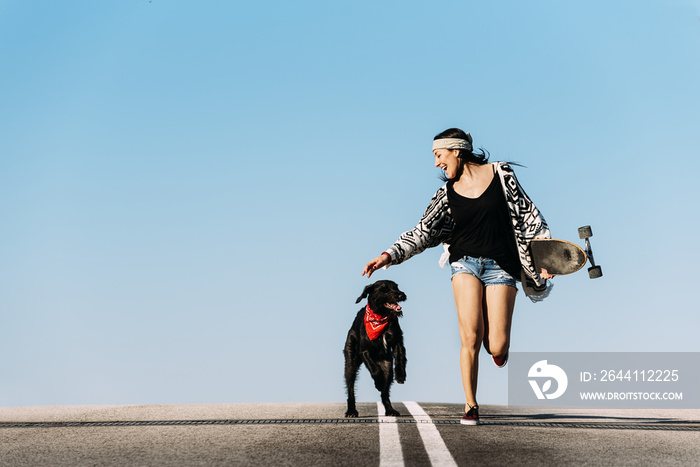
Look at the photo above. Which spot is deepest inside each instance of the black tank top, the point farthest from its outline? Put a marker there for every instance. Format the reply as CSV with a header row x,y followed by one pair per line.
x,y
483,227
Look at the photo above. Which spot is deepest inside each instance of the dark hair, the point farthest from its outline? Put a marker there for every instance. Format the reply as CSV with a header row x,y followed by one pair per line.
x,y
479,158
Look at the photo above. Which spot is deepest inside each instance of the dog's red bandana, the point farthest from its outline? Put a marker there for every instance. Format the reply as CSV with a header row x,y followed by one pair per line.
x,y
375,324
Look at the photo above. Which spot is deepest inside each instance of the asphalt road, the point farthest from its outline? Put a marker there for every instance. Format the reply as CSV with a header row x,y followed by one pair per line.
x,y
317,434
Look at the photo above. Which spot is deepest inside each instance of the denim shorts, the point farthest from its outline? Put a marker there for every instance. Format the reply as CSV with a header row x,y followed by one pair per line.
x,y
484,269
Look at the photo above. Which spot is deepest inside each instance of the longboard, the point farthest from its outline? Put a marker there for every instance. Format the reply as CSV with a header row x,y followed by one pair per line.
x,y
560,257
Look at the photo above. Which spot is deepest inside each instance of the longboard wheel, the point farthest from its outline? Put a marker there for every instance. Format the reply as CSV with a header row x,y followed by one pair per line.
x,y
585,231
595,272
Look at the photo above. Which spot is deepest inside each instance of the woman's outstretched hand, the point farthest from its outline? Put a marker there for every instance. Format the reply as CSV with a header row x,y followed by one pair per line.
x,y
378,262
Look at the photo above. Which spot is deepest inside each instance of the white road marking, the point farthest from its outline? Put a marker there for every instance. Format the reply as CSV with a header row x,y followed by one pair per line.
x,y
390,453
437,450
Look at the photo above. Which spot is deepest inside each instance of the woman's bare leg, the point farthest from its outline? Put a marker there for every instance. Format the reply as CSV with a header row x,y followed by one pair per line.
x,y
468,292
499,304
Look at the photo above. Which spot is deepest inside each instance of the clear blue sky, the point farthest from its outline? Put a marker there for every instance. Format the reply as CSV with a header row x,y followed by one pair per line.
x,y
189,190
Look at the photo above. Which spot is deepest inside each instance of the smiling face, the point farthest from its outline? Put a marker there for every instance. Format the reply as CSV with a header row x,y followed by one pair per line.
x,y
447,160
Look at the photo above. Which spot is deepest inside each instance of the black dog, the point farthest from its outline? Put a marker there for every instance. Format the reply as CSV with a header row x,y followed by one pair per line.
x,y
378,348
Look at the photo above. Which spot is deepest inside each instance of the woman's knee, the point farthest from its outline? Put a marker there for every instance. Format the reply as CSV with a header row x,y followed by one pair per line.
x,y
471,340
498,346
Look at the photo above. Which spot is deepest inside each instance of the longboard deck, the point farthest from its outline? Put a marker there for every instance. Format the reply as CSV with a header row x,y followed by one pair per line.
x,y
558,257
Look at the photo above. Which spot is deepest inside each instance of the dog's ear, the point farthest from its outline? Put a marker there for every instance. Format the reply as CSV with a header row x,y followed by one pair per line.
x,y
365,292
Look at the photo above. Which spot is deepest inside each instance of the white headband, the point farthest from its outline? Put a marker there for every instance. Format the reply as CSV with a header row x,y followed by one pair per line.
x,y
453,143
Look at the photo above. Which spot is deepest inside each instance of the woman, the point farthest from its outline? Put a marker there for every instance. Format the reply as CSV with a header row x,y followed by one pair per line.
x,y
486,222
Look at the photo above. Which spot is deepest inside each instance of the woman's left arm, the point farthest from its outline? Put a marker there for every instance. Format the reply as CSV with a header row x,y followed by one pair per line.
x,y
528,222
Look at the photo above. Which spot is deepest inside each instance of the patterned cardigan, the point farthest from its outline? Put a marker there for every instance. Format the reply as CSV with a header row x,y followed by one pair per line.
x,y
437,224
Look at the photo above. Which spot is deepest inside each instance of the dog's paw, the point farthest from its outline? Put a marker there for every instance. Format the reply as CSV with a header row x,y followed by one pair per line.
x,y
392,413
401,379
351,414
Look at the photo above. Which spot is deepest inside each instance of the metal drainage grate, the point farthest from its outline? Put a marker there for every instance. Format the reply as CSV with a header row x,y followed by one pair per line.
x,y
603,426
600,426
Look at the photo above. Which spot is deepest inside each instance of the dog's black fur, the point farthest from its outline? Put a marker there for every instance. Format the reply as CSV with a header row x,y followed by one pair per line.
x,y
378,355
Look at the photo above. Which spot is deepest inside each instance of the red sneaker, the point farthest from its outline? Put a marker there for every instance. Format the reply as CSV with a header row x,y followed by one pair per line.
x,y
471,417
501,361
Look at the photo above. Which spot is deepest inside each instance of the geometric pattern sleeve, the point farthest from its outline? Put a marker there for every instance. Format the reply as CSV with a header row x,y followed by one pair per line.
x,y
528,222
434,228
